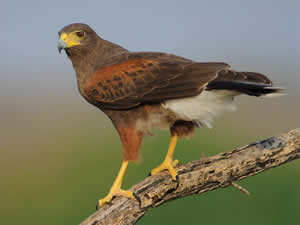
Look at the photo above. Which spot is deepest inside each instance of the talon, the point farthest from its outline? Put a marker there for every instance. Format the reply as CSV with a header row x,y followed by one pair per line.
x,y
102,201
169,163
127,194
113,193
166,165
116,189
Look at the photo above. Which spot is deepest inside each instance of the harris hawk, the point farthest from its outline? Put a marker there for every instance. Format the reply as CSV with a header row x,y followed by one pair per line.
x,y
139,91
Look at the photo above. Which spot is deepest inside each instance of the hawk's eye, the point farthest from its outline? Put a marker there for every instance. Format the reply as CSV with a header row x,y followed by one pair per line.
x,y
80,34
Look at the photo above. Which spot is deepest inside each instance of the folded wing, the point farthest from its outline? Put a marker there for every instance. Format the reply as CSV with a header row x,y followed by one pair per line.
x,y
140,78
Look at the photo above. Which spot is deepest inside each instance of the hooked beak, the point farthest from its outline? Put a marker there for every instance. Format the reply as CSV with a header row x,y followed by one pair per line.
x,y
61,45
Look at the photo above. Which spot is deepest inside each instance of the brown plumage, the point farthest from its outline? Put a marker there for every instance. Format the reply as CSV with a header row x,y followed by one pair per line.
x,y
142,90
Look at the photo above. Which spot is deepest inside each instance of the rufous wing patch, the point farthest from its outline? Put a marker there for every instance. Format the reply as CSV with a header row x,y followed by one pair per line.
x,y
114,82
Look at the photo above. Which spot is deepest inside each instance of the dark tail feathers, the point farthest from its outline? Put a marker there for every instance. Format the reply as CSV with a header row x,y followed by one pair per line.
x,y
254,84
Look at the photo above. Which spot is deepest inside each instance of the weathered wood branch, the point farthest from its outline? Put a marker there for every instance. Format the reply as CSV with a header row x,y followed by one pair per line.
x,y
200,176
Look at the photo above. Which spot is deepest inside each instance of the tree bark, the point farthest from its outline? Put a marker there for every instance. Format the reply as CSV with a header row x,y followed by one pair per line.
x,y
200,176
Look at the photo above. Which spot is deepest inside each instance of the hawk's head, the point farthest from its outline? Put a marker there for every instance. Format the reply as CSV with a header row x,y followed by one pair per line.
x,y
76,37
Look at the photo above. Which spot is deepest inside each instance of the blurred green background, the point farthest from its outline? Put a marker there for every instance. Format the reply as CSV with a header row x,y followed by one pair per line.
x,y
59,154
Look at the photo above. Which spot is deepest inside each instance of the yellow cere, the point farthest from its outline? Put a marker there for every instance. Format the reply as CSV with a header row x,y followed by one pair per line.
x,y
70,39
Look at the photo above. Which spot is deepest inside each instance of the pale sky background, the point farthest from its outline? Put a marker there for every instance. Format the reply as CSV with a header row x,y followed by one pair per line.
x,y
258,32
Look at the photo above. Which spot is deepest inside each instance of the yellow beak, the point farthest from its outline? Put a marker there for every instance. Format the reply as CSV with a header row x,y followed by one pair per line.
x,y
66,41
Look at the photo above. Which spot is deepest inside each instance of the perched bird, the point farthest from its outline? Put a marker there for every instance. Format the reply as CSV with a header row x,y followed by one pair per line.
x,y
142,90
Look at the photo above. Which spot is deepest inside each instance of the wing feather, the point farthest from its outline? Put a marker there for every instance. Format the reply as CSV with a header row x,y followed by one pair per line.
x,y
148,78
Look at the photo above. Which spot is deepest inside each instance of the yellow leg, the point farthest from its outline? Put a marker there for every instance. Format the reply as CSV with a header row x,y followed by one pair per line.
x,y
168,163
116,190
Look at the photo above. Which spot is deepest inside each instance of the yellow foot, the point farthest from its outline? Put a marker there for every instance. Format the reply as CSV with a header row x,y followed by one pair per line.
x,y
168,164
116,189
113,193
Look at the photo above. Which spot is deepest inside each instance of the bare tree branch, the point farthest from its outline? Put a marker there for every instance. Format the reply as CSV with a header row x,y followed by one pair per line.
x,y
200,176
